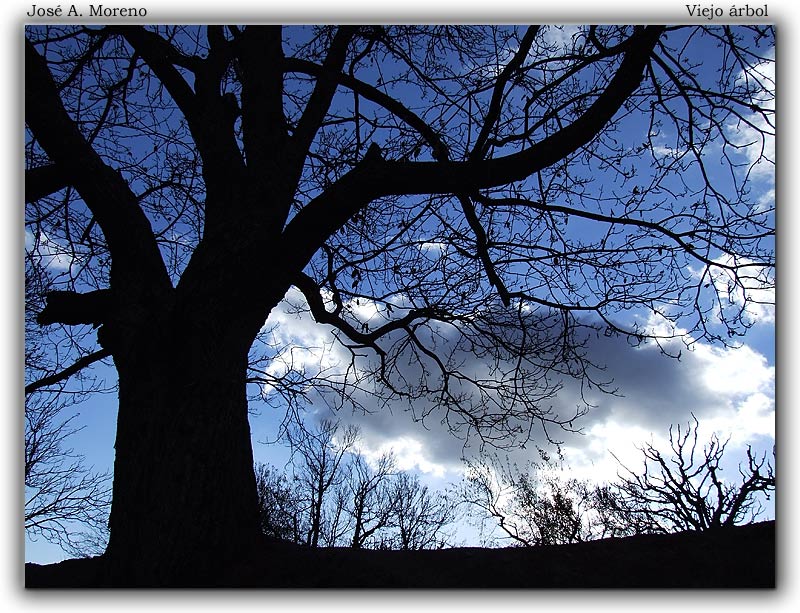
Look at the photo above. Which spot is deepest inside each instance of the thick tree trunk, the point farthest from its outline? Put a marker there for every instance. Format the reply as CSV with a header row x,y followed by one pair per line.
x,y
185,501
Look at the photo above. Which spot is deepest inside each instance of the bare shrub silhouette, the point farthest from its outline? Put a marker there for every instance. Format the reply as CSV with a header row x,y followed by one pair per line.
x,y
685,488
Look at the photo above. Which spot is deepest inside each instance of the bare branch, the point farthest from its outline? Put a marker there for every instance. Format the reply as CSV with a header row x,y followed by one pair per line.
x,y
67,372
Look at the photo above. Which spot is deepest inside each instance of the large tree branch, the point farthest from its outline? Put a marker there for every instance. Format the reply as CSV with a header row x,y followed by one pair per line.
x,y
320,99
264,134
368,338
162,56
373,94
260,54
433,139
403,178
136,260
73,308
492,114
43,181
375,177
210,115
482,248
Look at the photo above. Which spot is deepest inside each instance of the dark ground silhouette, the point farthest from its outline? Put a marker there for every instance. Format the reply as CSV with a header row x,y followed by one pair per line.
x,y
739,557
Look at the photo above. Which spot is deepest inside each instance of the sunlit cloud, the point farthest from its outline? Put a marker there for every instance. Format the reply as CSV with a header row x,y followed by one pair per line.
x,y
561,36
753,133
731,391
432,246
409,453
751,287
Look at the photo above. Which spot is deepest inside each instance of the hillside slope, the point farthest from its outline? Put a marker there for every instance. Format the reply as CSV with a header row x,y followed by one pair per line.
x,y
741,557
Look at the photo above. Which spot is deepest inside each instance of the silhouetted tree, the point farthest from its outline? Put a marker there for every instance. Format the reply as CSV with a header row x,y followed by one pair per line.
x,y
66,503
336,523
538,504
370,503
615,516
280,502
420,517
428,193
686,490
322,456
367,506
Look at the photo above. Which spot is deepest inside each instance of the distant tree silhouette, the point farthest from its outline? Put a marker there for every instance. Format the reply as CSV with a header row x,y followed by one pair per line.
x,y
66,503
538,504
686,489
366,506
616,516
322,456
420,517
431,195
541,504
370,504
280,503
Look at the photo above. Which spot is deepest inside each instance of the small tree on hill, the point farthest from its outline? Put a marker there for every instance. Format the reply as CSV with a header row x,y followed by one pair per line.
x,y
321,452
421,516
615,516
370,503
281,505
686,490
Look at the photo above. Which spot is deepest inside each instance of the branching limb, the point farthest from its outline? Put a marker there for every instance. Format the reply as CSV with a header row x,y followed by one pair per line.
x,y
320,99
162,57
311,293
373,94
43,181
73,308
685,492
368,181
67,372
136,258
479,150
260,56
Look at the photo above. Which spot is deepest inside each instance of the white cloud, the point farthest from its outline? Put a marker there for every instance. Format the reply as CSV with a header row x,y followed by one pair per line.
x,y
747,421
432,246
766,202
409,453
297,344
751,287
730,391
733,373
560,36
754,134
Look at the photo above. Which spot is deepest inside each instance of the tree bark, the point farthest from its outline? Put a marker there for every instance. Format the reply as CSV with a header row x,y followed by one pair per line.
x,y
185,504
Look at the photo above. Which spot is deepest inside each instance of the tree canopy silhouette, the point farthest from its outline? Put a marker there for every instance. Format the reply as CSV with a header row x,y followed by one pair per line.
x,y
462,206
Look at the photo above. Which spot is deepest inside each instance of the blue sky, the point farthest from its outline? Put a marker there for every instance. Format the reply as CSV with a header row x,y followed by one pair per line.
x,y
729,390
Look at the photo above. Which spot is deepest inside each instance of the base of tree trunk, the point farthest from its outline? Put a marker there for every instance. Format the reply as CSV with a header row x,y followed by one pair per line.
x,y
740,557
